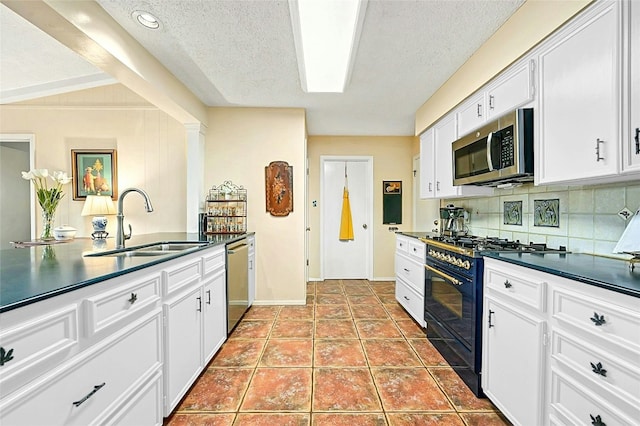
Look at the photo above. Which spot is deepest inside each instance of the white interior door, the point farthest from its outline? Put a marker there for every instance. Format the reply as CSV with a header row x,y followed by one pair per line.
x,y
346,259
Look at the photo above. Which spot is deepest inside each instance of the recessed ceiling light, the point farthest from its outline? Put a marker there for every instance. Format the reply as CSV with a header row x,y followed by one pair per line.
x,y
326,35
146,19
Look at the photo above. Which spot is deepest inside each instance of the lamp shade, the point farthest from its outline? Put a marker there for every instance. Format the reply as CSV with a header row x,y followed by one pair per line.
x,y
98,205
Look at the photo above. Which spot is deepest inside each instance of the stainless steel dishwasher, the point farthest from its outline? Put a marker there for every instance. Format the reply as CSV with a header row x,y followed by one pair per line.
x,y
237,282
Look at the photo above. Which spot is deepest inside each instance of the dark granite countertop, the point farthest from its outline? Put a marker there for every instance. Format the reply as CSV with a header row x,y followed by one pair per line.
x,y
612,274
35,273
416,234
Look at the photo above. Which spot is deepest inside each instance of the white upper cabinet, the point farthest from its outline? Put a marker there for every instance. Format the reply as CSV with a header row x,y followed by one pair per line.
x,y
631,120
579,101
509,91
471,114
436,163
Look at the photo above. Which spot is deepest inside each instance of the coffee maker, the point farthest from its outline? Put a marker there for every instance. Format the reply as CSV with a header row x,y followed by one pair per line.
x,y
452,221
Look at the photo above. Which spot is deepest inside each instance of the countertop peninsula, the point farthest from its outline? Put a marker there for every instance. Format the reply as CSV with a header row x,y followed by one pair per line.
x,y
31,274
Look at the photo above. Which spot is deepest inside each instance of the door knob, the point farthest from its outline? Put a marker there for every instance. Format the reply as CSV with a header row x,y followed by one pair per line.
x,y
364,225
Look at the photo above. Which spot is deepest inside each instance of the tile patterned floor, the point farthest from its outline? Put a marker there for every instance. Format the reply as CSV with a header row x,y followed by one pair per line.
x,y
352,356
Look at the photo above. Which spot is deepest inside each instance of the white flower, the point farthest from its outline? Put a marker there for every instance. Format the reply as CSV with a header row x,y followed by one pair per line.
x,y
28,175
40,173
61,177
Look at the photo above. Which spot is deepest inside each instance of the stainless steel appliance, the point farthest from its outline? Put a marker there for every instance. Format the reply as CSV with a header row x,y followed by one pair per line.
x,y
453,298
452,220
237,282
500,152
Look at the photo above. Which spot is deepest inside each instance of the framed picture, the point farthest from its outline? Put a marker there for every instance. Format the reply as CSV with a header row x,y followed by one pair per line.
x,y
391,187
278,177
94,173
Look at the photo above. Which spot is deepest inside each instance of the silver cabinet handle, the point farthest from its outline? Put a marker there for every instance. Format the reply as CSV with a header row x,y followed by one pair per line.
x,y
637,138
208,297
491,106
479,110
133,298
5,356
598,142
364,225
430,186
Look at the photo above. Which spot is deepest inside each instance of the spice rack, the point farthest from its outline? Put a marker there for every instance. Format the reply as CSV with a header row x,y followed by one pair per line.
x,y
225,210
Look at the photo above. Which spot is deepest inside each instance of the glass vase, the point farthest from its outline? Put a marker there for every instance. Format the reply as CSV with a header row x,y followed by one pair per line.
x,y
47,225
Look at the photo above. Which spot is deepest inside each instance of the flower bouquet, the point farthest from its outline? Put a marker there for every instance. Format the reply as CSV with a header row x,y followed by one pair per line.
x,y
48,198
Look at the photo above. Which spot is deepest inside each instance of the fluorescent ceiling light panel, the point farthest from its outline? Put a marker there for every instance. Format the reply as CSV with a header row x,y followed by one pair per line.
x,y
326,34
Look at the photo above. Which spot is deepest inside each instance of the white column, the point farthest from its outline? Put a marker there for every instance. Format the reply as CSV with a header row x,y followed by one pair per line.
x,y
195,173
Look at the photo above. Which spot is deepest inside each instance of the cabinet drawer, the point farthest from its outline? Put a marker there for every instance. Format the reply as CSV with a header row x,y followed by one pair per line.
x,y
34,347
576,404
143,406
411,301
181,275
410,271
520,286
91,384
402,244
112,306
213,260
598,318
617,377
417,250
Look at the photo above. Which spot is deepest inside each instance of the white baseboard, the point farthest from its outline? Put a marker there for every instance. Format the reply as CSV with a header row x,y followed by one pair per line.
x,y
374,279
278,302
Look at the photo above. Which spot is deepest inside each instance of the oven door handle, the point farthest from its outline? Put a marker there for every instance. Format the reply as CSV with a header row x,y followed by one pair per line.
x,y
443,275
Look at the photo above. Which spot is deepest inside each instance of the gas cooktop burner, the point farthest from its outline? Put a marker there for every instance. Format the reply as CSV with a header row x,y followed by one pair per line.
x,y
497,244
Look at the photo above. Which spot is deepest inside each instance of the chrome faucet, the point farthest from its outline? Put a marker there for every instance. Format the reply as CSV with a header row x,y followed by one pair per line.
x,y
121,237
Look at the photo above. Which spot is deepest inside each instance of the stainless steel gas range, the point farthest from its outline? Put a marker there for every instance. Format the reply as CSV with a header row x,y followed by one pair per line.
x,y
453,298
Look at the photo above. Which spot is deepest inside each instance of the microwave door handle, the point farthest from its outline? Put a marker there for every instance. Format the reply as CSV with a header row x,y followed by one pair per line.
x,y
489,162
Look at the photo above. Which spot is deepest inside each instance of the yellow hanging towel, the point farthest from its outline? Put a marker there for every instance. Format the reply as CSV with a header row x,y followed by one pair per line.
x,y
346,224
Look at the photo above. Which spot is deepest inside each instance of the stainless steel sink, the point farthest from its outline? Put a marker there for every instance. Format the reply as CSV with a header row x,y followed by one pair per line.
x,y
153,249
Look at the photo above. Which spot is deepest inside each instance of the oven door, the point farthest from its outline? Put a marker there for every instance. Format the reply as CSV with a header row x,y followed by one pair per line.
x,y
450,299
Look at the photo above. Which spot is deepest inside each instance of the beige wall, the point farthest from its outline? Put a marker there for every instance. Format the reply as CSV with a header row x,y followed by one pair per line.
x,y
240,143
150,148
392,160
529,25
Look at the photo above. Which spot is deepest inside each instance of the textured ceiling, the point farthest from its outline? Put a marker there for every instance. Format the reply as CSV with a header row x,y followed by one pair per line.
x,y
241,53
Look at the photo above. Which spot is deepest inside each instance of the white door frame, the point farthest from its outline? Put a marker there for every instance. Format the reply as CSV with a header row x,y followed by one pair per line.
x,y
29,138
369,161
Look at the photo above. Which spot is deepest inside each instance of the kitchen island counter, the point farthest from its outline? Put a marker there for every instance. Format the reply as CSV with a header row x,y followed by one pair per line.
x,y
31,274
609,273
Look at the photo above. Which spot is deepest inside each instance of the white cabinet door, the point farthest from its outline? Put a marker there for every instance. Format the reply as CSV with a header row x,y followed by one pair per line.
x,y
427,172
215,314
183,349
510,91
579,107
631,140
471,114
513,361
444,136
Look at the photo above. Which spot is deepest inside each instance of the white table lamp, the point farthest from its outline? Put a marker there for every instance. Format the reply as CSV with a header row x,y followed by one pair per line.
x,y
98,206
629,242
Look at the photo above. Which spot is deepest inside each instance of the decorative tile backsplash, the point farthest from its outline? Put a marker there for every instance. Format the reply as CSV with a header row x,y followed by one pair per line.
x,y
585,219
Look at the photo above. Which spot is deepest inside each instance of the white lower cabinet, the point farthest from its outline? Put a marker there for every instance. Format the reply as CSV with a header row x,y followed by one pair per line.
x,y
123,351
409,268
567,355
89,387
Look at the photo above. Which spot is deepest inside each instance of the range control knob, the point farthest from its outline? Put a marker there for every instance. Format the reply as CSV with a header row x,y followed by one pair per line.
x,y
466,265
459,262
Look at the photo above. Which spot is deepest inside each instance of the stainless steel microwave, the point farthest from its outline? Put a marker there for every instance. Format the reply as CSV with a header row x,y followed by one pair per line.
x,y
498,153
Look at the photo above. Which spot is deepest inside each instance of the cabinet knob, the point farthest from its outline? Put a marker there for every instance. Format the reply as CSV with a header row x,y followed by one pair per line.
x,y
507,284
133,298
5,356
598,320
597,368
597,421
